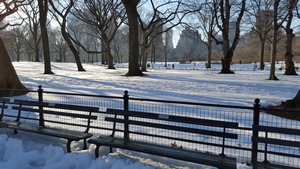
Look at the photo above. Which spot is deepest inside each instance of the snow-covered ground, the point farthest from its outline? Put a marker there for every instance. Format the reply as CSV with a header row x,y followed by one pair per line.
x,y
185,83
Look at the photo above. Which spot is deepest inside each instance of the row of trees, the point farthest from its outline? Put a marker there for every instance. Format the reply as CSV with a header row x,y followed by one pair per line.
x,y
145,20
266,19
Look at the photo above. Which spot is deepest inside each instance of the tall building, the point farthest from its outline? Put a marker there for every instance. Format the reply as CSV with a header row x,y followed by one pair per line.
x,y
189,46
188,38
169,39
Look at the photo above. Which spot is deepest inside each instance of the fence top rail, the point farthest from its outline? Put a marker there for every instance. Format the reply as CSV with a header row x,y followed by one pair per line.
x,y
193,103
87,95
4,99
134,98
280,110
18,90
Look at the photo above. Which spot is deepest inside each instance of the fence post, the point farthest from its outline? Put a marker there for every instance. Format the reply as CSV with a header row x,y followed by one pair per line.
x,y
126,107
255,133
40,95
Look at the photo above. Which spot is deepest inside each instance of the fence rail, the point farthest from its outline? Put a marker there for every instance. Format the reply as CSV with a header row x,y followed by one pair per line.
x,y
243,148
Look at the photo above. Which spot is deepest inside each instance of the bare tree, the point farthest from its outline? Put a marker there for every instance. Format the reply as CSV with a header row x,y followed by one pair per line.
x,y
289,64
132,15
260,16
163,18
61,17
279,16
60,47
224,10
9,78
207,24
30,15
18,39
105,17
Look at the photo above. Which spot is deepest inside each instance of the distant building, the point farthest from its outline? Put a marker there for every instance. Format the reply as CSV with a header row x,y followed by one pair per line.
x,y
169,39
188,37
189,46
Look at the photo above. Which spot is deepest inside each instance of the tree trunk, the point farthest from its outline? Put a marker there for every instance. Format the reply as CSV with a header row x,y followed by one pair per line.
x,y
71,46
110,56
132,14
262,53
36,43
9,78
226,62
144,54
209,47
103,54
228,46
274,41
289,64
292,104
273,58
144,51
43,7
227,55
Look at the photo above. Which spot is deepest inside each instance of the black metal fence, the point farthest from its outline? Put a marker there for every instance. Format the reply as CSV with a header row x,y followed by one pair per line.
x,y
242,148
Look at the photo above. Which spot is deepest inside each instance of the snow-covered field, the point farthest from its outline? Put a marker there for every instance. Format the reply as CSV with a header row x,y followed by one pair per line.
x,y
185,83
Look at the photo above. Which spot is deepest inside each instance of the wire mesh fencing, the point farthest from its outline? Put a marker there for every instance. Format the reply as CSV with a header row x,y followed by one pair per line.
x,y
240,148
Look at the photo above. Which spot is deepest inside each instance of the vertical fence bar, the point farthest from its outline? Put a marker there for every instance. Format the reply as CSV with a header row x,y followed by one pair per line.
x,y
266,150
41,115
126,107
223,145
255,133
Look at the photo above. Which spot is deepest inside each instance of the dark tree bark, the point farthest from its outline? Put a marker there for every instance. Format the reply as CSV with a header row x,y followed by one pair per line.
x,y
132,14
289,64
43,8
9,78
223,9
276,27
292,104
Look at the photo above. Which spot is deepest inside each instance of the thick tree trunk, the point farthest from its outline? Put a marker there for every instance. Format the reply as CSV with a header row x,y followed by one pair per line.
x,y
43,7
110,57
9,78
228,46
144,54
227,55
132,15
289,64
292,104
226,62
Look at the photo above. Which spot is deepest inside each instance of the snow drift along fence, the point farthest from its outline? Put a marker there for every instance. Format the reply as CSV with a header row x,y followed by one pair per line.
x,y
242,148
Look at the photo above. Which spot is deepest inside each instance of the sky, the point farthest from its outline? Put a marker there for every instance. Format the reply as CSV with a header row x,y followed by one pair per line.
x,y
187,82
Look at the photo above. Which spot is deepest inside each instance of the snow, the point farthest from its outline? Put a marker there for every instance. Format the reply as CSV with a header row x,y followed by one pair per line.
x,y
187,82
